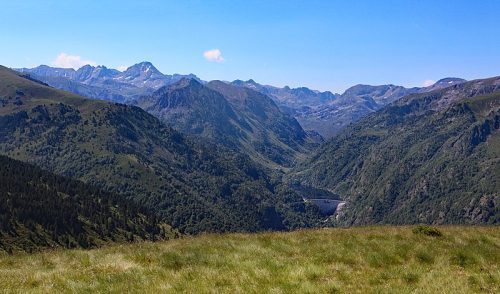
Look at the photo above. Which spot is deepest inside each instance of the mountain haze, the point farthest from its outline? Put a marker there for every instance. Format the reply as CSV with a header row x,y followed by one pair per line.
x,y
328,113
290,97
100,82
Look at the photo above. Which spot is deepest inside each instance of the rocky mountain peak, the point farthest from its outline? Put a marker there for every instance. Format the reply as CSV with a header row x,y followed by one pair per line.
x,y
145,68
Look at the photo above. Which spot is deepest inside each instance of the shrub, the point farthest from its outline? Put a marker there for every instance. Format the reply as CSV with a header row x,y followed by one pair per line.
x,y
427,231
411,278
463,258
425,257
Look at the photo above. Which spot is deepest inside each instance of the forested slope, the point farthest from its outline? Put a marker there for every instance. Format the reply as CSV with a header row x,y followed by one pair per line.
x,y
194,187
41,210
431,158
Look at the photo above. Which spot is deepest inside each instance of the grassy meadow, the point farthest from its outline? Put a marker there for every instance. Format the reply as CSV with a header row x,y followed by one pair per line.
x,y
463,259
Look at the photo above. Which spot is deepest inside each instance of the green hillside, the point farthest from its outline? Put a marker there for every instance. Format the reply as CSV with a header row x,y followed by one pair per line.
x,y
356,260
41,210
235,117
194,187
430,158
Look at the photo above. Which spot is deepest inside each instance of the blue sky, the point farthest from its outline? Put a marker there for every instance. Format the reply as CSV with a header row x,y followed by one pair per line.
x,y
325,45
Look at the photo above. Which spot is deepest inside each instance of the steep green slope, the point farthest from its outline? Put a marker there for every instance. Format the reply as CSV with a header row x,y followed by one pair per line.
x,y
430,158
192,108
464,259
273,134
194,187
39,210
239,118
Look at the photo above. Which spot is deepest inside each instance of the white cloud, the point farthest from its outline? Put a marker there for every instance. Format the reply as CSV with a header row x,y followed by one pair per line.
x,y
213,55
122,67
71,61
428,83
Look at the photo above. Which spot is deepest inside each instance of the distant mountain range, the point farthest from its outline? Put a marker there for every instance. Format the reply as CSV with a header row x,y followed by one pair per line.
x,y
103,83
325,113
288,97
328,113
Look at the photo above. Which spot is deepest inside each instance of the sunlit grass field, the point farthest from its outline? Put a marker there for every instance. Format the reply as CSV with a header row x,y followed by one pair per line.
x,y
355,260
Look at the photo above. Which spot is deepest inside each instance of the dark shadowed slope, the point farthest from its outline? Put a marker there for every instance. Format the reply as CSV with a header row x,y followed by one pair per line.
x,y
41,210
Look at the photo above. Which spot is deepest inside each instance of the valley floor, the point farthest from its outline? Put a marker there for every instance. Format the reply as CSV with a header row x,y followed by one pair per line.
x,y
366,259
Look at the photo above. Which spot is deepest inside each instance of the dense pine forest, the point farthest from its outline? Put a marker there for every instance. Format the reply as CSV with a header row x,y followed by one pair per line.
x,y
41,210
